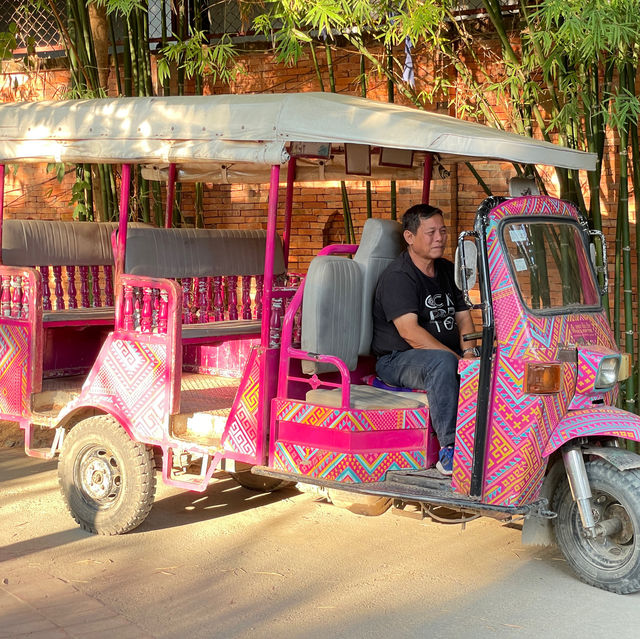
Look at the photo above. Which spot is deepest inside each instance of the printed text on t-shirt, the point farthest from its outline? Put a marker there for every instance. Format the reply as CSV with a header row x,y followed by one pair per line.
x,y
441,311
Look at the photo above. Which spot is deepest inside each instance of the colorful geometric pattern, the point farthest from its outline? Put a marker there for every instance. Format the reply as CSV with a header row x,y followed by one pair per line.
x,y
469,370
606,420
15,368
241,432
368,434
520,425
130,381
344,467
350,420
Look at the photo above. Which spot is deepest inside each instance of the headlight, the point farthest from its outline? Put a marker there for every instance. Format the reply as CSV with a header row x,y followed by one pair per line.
x,y
625,367
607,374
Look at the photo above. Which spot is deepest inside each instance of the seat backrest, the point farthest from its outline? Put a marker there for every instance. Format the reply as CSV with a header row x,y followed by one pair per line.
x,y
176,253
56,243
331,310
338,296
382,241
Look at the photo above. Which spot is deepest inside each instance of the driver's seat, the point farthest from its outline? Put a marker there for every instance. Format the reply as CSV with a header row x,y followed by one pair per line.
x,y
347,287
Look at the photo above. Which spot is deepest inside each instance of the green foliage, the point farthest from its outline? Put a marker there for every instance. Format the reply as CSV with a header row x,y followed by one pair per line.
x,y
78,199
122,8
8,42
59,168
199,58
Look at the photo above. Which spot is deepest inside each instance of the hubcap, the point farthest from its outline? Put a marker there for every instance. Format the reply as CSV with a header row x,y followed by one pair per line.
x,y
99,475
615,549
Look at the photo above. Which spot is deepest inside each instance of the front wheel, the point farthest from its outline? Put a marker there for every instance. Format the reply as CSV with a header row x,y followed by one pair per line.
x,y
609,562
107,480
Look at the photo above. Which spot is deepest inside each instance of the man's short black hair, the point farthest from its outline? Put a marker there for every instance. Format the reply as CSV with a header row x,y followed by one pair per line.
x,y
413,216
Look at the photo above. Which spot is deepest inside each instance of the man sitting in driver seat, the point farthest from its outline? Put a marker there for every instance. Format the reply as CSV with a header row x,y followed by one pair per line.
x,y
419,315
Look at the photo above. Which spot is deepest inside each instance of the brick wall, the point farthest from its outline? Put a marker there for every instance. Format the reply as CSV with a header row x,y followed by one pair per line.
x,y
317,208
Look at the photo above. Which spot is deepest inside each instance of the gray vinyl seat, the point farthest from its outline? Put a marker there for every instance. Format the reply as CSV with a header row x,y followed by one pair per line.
x,y
337,315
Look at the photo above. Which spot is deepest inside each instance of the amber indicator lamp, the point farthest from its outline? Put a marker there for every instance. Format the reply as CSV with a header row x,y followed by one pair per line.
x,y
541,379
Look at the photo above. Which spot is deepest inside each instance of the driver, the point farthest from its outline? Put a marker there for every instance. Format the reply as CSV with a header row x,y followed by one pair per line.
x,y
419,315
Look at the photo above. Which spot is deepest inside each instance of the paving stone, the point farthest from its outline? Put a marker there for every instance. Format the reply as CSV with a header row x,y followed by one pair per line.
x,y
126,632
9,603
115,622
72,598
58,633
33,625
72,614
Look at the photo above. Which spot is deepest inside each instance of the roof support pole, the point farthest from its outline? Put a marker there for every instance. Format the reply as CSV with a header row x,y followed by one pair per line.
x,y
171,196
125,189
288,208
272,220
426,178
2,171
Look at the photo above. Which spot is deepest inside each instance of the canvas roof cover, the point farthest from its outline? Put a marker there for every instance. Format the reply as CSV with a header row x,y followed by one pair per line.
x,y
207,131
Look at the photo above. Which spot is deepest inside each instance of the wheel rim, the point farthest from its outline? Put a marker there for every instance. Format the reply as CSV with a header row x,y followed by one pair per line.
x,y
609,552
99,476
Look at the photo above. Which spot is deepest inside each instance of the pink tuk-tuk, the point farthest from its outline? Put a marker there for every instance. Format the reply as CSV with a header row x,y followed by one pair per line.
x,y
195,351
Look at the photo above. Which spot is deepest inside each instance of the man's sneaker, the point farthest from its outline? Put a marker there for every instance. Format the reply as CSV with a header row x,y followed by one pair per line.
x,y
445,460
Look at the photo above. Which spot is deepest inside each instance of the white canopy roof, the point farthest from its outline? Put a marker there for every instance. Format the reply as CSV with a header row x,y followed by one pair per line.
x,y
206,132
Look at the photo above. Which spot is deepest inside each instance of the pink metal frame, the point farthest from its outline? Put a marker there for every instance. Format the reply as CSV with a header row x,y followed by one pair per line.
x,y
2,175
426,179
171,194
288,209
125,189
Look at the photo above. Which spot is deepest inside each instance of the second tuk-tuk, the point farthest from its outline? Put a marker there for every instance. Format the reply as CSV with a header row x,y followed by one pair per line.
x,y
194,350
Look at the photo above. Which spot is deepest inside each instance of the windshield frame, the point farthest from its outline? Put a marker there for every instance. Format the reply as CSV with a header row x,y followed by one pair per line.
x,y
557,219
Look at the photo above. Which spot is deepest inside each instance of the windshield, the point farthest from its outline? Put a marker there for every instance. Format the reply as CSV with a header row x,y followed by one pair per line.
x,y
551,267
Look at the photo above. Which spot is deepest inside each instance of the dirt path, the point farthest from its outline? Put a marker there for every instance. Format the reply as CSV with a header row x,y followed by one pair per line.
x,y
232,563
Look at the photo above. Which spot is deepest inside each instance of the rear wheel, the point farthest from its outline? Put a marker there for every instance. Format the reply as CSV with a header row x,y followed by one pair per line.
x,y
107,480
247,479
610,562
368,505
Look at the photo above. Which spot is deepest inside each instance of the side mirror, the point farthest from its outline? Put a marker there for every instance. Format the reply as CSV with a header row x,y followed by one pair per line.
x,y
466,265
601,270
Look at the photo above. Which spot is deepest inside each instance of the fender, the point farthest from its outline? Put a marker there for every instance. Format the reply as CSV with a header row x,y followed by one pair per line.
x,y
588,422
74,410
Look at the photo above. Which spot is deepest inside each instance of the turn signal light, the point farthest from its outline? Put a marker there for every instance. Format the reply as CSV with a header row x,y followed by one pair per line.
x,y
625,367
541,379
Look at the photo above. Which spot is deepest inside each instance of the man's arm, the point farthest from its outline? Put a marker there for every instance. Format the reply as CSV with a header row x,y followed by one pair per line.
x,y
416,336
465,326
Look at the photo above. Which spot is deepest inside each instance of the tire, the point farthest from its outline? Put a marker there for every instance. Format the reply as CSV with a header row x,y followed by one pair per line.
x,y
368,505
247,479
107,480
613,562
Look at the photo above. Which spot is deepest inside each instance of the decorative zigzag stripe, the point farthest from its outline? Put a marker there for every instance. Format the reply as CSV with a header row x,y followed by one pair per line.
x,y
345,467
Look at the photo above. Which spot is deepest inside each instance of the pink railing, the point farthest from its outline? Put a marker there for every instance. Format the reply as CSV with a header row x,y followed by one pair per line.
x,y
76,286
147,305
18,292
146,302
214,299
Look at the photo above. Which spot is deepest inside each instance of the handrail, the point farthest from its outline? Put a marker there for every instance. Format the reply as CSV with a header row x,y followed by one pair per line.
x,y
286,350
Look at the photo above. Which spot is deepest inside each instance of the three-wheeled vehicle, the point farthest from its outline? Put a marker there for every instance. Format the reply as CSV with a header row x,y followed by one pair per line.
x,y
194,349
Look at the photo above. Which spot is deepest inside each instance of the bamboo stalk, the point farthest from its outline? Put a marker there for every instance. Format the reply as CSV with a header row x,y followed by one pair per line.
x,y
116,63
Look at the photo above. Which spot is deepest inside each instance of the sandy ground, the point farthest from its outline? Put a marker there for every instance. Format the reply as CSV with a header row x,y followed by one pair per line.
x,y
233,563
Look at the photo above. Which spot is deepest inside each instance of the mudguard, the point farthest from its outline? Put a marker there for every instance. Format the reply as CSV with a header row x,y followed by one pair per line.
x,y
589,422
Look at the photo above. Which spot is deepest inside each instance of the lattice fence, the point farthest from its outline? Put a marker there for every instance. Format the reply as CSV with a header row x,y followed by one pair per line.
x,y
34,25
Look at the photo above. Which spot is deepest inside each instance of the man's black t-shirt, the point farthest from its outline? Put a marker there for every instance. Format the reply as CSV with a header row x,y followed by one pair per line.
x,y
403,288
